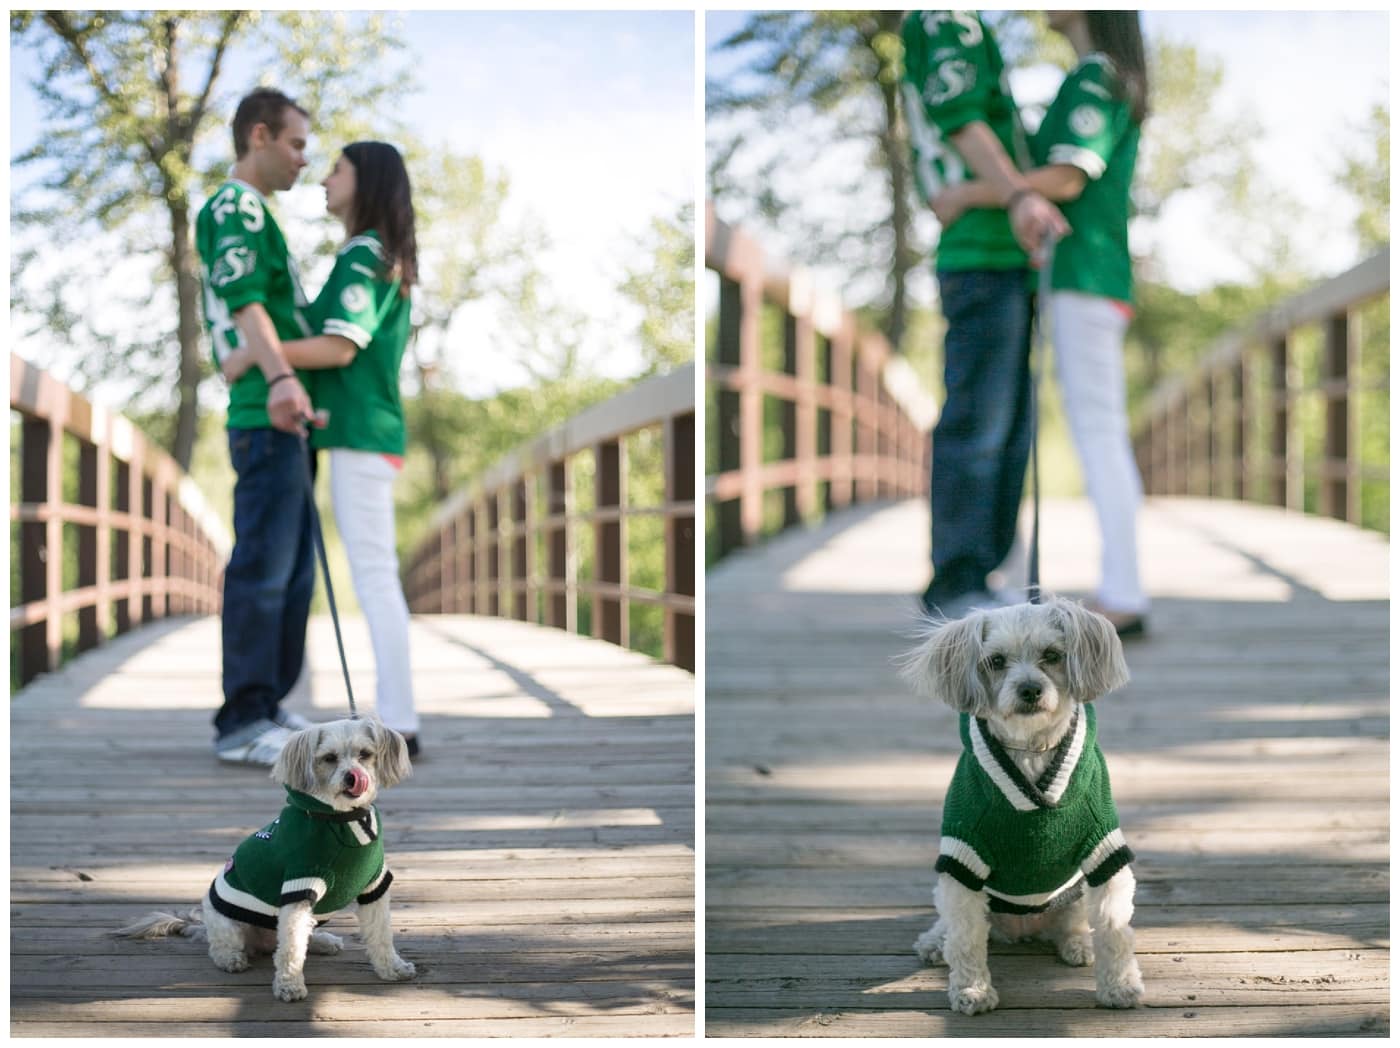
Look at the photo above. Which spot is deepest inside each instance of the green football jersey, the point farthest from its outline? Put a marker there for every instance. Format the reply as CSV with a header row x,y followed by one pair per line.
x,y
953,76
245,260
360,302
1090,126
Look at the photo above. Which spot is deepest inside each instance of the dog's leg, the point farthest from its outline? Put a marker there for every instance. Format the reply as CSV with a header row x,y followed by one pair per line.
x,y
378,936
1068,929
963,912
295,923
1116,973
228,944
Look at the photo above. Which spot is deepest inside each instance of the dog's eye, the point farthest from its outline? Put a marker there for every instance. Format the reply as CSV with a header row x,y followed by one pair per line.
x,y
366,754
1051,656
328,758
997,662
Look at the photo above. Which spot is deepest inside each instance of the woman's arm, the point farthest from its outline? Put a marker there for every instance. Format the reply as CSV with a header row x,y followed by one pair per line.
x,y
1057,182
319,351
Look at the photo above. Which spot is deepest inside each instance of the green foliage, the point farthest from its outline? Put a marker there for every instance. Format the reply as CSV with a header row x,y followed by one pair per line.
x,y
1367,178
663,288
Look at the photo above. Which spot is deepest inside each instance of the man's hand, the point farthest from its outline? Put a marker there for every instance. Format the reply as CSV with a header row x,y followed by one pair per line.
x,y
288,406
1032,217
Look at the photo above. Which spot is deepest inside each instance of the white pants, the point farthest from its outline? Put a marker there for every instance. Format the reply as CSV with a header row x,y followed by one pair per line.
x,y
362,494
1088,332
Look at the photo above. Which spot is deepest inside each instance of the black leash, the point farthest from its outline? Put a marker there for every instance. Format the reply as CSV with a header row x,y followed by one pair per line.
x,y
1037,362
320,541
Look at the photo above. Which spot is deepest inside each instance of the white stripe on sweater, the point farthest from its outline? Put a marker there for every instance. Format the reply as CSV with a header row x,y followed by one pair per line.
x,y
962,853
1065,772
1106,847
1039,898
301,884
242,899
996,772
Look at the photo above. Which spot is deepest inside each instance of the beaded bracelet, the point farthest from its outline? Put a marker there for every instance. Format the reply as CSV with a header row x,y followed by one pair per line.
x,y
279,378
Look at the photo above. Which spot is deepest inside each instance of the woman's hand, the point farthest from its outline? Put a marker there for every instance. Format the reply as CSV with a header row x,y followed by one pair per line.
x,y
236,363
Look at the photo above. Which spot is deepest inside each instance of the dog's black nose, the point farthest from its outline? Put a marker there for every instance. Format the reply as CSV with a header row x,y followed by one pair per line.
x,y
1029,694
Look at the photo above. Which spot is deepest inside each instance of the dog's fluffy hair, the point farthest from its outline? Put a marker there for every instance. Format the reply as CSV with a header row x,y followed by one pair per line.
x,y
1023,669
321,761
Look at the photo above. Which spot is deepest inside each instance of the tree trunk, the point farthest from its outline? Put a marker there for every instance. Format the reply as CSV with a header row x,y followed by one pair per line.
x,y
892,142
183,263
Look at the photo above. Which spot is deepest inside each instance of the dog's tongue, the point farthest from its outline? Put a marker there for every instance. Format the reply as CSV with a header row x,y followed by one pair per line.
x,y
359,782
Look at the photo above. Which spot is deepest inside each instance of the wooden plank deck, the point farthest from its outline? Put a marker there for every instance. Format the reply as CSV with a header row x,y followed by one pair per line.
x,y
542,850
1249,760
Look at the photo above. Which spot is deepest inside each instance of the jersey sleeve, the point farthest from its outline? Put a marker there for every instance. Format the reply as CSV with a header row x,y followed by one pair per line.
x,y
962,854
238,273
950,68
348,305
1088,120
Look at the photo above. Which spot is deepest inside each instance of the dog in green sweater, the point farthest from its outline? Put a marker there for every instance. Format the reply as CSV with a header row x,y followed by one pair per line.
x,y
321,854
1030,844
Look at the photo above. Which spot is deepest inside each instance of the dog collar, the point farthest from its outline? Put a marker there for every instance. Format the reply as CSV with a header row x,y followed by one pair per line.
x,y
322,811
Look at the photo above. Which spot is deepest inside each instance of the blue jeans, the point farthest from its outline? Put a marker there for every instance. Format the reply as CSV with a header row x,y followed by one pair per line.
x,y
982,441
269,578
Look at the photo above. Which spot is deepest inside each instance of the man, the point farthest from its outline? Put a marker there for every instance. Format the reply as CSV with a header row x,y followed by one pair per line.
x,y
252,298
963,124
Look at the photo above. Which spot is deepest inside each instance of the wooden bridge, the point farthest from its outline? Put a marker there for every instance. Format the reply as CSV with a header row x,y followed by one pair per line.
x,y
1249,758
543,847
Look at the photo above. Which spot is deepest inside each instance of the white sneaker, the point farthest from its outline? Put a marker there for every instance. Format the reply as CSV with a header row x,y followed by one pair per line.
x,y
259,743
291,721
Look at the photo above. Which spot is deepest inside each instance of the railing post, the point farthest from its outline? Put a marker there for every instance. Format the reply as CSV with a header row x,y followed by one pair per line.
x,y
678,642
471,552
1239,378
867,409
493,553
610,540
843,415
727,413
788,423
751,406
805,447
89,631
1287,465
1340,487
523,598
38,651
561,607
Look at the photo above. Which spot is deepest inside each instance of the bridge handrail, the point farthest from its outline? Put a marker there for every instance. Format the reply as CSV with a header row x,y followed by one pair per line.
x,y
480,556
871,416
170,549
1193,434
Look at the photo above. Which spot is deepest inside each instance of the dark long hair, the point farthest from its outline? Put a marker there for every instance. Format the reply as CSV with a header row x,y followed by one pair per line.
x,y
1118,34
384,203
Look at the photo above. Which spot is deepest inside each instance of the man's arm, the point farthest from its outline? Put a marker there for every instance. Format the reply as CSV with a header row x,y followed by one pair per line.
x,y
312,354
287,402
1031,214
1055,182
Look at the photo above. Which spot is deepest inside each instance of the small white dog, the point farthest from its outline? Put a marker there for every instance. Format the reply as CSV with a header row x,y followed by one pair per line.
x,y
321,854
1029,818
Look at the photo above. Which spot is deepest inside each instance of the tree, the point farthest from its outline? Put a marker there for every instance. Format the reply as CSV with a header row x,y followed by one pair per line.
x,y
129,99
1367,178
663,288
838,73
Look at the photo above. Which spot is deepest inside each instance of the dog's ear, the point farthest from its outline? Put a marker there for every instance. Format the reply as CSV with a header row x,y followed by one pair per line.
x,y
296,764
1094,655
945,665
393,763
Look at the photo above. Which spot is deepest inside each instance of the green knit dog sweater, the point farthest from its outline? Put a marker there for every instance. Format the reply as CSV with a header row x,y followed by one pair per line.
x,y
309,852
1031,846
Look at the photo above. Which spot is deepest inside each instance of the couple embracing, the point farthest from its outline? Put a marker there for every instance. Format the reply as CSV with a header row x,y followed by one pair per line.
x,y
307,375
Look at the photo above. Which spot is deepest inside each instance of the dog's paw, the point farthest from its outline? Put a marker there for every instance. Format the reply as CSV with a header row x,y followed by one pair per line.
x,y
230,962
289,988
1123,991
325,943
1076,950
971,1000
929,946
396,970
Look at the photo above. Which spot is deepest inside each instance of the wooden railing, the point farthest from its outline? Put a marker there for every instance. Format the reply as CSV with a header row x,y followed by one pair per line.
x,y
143,541
509,545
1234,427
807,415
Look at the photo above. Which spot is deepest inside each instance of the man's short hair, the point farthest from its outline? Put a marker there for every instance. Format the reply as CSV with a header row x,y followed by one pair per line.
x,y
267,106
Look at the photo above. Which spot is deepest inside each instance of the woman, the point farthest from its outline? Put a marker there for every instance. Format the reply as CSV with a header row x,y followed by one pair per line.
x,y
1087,148
362,322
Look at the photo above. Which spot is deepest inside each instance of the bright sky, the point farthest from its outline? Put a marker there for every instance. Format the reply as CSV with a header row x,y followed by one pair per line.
x,y
591,115
1309,77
